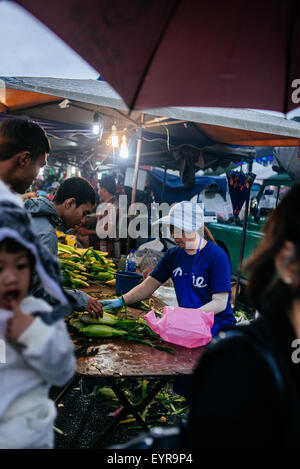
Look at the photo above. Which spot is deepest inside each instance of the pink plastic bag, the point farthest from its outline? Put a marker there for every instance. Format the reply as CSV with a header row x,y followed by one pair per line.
x,y
182,326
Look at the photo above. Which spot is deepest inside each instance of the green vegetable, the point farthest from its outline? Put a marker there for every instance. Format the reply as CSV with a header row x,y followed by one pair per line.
x,y
144,388
74,322
106,392
107,319
102,276
110,325
98,257
99,330
80,283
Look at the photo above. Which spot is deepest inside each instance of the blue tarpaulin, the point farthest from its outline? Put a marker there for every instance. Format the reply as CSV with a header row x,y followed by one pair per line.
x,y
175,191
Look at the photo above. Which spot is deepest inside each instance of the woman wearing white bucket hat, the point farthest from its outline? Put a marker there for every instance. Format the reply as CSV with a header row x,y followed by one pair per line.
x,y
199,268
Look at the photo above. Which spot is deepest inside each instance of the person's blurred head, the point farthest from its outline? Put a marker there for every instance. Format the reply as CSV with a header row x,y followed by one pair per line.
x,y
182,238
74,199
274,268
94,181
107,188
24,147
16,269
186,222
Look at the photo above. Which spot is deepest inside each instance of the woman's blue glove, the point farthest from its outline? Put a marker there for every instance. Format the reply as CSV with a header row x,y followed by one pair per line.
x,y
112,304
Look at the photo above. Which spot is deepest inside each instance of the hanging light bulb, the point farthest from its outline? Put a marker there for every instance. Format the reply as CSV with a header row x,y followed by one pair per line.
x,y
96,129
41,172
96,124
114,137
124,147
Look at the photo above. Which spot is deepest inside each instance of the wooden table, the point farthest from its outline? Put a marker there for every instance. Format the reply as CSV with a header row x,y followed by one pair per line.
x,y
118,358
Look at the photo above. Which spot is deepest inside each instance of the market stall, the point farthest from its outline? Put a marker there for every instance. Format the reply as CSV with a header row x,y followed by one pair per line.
x,y
123,346
184,139
111,360
187,139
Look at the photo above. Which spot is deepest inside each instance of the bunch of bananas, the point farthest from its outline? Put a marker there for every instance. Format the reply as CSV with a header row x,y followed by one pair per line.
x,y
82,266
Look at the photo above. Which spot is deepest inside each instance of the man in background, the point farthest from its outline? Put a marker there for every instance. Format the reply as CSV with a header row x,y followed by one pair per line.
x,y
24,148
107,195
74,199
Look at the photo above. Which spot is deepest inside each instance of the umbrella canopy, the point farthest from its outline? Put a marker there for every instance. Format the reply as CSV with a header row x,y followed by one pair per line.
x,y
40,97
177,138
182,53
183,138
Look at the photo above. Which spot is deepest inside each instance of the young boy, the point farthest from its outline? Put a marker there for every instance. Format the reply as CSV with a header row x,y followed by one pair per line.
x,y
37,354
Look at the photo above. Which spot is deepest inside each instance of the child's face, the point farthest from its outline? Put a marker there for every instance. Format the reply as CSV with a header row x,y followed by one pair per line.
x,y
15,275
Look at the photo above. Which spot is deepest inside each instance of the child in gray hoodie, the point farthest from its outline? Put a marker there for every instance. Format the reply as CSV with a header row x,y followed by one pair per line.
x,y
36,354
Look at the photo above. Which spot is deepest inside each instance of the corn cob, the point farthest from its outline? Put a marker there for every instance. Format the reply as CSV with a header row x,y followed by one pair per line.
x,y
77,324
85,265
65,248
104,276
106,392
111,282
78,277
99,330
80,283
130,329
72,264
107,319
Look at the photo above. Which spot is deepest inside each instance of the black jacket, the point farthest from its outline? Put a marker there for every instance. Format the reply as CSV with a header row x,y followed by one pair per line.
x,y
236,400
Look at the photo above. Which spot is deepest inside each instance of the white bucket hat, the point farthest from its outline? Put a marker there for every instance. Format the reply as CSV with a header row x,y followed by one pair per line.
x,y
187,216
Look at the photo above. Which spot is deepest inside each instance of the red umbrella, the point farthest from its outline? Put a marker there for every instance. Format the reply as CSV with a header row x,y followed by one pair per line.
x,y
158,53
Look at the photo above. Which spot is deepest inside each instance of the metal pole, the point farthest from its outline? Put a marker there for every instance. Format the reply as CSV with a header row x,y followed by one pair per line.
x,y
159,124
136,168
164,185
137,159
156,119
238,282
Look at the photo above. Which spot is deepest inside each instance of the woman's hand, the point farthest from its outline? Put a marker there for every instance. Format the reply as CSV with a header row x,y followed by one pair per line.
x,y
112,304
18,323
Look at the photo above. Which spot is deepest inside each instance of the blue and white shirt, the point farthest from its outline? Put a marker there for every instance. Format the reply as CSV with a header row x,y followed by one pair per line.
x,y
212,274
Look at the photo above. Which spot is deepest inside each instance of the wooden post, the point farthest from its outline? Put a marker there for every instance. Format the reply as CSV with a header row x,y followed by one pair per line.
x,y
136,169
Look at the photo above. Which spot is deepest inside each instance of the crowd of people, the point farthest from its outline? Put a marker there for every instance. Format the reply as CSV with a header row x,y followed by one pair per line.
x,y
245,391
